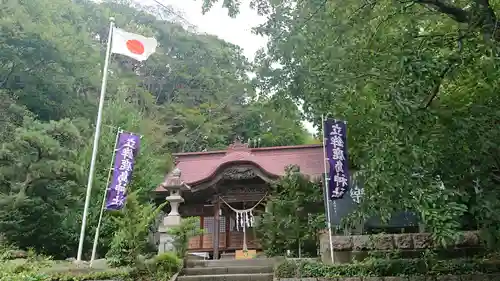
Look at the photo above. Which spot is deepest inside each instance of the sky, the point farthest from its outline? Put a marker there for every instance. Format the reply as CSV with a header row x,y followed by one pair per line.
x,y
217,22
235,30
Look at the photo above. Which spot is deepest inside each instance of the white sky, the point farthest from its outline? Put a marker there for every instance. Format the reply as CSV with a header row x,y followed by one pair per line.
x,y
237,31
216,21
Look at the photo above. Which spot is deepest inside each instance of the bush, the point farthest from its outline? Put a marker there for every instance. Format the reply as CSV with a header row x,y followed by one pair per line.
x,y
294,218
21,269
104,275
131,238
181,234
40,268
168,262
161,267
386,267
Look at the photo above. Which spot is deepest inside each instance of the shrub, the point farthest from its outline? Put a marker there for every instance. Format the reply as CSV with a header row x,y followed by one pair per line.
x,y
294,218
22,269
181,234
168,262
104,275
161,267
386,267
131,238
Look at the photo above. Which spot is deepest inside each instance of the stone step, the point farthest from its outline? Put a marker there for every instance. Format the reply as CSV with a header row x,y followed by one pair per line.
x,y
228,270
230,263
228,277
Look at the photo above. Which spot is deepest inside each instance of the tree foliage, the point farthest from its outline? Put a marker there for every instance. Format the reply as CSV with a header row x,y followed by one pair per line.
x,y
39,178
131,239
192,94
189,227
417,82
294,218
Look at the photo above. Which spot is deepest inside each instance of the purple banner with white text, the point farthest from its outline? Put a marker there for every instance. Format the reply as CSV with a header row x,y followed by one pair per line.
x,y
336,151
126,151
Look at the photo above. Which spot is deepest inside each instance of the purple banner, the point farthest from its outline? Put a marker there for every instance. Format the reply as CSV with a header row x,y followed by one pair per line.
x,y
336,151
126,151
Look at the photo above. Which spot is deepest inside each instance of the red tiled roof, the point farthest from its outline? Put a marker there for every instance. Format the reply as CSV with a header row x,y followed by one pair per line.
x,y
197,167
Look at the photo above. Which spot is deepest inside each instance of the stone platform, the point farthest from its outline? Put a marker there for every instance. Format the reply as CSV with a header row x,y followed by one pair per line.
x,y
411,245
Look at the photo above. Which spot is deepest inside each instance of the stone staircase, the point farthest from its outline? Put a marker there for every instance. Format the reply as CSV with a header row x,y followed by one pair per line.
x,y
259,269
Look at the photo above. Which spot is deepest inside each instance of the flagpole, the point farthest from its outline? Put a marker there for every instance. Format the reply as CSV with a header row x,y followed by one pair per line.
x,y
329,223
96,140
110,172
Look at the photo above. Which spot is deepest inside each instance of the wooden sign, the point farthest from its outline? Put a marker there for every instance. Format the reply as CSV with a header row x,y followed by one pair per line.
x,y
243,255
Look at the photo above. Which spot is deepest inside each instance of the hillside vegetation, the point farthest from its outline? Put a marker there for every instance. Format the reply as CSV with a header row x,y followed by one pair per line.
x,y
193,94
417,82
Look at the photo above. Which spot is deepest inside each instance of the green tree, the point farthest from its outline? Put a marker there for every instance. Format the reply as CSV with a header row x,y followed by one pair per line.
x,y
39,179
416,80
189,227
131,239
295,216
193,94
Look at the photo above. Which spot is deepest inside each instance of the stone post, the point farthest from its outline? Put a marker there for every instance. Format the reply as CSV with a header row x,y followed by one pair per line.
x,y
173,218
268,204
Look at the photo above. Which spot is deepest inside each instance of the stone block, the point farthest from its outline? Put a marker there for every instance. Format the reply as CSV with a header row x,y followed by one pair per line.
x,y
403,241
328,279
361,242
171,220
417,278
494,277
359,255
350,279
342,243
342,257
324,245
422,240
382,242
474,277
395,278
373,278
18,254
309,279
468,239
448,278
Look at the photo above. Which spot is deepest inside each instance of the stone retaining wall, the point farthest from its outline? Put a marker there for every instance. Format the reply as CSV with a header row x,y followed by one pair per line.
x,y
357,246
485,277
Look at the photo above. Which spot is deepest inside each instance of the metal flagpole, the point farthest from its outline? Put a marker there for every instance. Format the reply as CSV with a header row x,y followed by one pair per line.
x,y
329,223
110,172
96,140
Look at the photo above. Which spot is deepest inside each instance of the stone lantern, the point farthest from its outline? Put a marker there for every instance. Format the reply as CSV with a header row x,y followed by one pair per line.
x,y
173,184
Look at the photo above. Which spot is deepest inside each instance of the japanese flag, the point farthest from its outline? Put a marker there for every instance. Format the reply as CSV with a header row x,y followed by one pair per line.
x,y
132,45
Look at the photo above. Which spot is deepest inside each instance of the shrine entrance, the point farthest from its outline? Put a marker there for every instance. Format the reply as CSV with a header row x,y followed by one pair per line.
x,y
227,191
227,213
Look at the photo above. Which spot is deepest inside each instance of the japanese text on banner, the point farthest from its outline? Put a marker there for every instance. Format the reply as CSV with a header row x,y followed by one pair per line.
x,y
336,150
127,147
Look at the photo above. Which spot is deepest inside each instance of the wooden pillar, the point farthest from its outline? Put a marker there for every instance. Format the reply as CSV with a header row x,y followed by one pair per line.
x,y
245,247
228,230
216,233
202,225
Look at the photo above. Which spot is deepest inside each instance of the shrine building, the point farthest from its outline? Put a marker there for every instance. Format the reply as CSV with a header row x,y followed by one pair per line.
x,y
225,189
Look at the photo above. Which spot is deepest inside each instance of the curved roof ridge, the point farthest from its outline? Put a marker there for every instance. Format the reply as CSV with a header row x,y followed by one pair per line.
x,y
197,167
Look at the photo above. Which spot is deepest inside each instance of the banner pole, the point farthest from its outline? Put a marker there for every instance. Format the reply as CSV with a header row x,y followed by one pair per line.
x,y
96,140
103,206
329,222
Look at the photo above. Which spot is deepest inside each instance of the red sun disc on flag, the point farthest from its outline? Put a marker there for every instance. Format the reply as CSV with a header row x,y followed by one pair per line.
x,y
135,47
